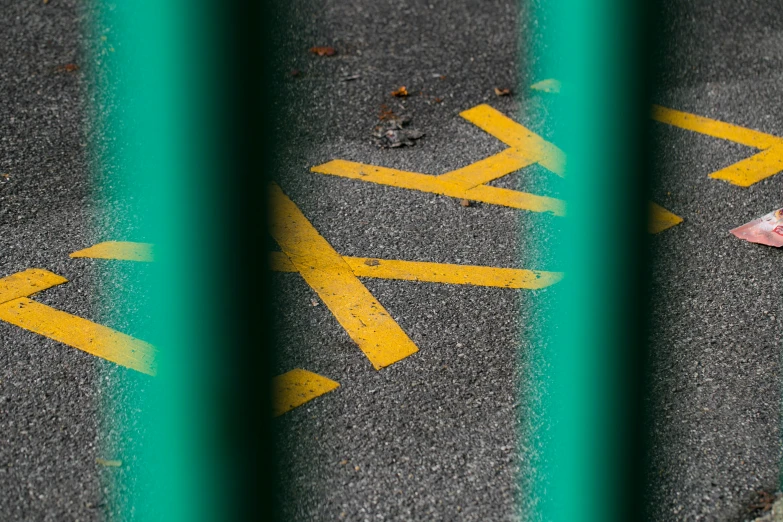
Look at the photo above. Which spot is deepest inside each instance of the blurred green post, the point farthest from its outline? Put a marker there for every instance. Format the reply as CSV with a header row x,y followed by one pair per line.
x,y
589,447
184,105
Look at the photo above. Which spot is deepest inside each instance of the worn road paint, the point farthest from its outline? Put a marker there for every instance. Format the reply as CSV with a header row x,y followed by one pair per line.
x,y
121,250
746,172
551,85
17,309
364,319
294,388
526,148
660,219
435,272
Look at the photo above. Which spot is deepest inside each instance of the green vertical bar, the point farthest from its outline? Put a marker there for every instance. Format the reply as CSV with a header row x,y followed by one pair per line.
x,y
180,117
588,458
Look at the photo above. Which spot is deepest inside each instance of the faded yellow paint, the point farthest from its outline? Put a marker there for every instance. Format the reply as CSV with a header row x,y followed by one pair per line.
x,y
27,283
365,320
85,335
469,182
121,250
746,172
435,272
294,388
516,199
550,85
660,219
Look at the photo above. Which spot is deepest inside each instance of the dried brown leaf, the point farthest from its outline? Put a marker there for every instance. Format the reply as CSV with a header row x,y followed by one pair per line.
x,y
400,93
323,51
502,92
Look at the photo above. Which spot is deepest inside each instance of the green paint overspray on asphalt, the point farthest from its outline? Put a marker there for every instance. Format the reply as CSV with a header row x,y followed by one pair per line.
x,y
582,446
179,160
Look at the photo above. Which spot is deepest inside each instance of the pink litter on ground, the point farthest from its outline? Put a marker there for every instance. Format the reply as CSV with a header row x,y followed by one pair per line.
x,y
766,230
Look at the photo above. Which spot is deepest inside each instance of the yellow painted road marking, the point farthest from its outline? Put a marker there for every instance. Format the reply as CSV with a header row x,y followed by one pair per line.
x,y
526,148
436,272
517,136
27,283
294,388
753,169
551,85
488,169
714,128
17,309
744,173
660,219
364,319
122,250
427,183
469,182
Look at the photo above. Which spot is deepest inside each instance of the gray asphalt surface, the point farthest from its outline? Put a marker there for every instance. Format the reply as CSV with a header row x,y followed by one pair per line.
x,y
433,437
716,322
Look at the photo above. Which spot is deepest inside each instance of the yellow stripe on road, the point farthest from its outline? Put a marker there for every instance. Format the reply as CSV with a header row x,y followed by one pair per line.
x,y
714,128
744,173
488,169
753,169
121,250
27,283
294,388
452,274
80,333
469,182
445,187
101,341
516,199
436,272
364,319
517,136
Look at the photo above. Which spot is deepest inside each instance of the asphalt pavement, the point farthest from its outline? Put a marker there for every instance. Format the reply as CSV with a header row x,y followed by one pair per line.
x,y
434,436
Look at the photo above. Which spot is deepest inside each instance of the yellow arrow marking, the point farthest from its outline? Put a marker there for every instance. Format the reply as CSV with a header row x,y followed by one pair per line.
x,y
526,148
122,250
294,388
435,272
364,319
744,173
16,308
